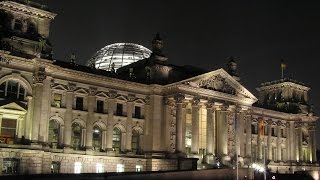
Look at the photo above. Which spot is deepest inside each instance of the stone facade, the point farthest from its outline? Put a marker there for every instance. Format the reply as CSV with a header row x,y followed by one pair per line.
x,y
59,116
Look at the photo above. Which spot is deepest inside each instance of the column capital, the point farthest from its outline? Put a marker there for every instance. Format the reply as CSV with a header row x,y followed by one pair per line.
x,y
269,122
39,76
298,124
169,101
179,98
195,101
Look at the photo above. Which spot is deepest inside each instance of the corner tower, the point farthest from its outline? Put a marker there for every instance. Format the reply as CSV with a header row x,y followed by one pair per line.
x,y
25,28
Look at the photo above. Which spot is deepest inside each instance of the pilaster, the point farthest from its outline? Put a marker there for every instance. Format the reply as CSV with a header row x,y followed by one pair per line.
x,y
195,126
90,118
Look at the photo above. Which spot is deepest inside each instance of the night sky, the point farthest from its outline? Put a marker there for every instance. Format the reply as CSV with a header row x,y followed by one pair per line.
x,y
201,33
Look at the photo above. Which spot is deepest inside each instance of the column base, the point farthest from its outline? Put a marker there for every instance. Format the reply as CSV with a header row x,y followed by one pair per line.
x,y
67,149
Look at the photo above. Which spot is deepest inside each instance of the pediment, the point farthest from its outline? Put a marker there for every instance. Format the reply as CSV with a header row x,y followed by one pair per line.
x,y
59,87
81,91
220,81
12,106
102,94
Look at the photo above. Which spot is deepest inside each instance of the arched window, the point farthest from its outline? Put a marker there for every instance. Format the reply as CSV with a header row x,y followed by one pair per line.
x,y
76,136
54,132
97,138
12,90
135,143
18,25
116,139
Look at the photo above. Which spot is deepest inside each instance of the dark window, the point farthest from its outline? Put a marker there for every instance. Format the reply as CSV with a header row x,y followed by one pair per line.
x,y
100,106
12,90
10,166
137,112
119,109
32,28
253,129
2,89
79,103
18,25
273,132
55,167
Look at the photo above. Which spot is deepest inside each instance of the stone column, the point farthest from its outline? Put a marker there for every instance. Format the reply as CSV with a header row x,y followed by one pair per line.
x,y
249,136
184,126
168,105
195,126
310,143
147,126
179,100
314,143
90,117
292,141
68,116
45,110
210,130
299,140
222,131
260,141
103,139
130,106
279,141
1,115
269,145
288,151
37,91
28,122
111,108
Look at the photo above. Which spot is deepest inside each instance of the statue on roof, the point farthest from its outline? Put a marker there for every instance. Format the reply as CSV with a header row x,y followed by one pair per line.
x,y
232,68
157,45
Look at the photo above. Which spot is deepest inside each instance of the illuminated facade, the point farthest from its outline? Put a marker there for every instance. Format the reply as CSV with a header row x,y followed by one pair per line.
x,y
62,117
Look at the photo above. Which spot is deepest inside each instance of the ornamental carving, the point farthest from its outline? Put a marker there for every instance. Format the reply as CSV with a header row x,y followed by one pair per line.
x,y
71,87
40,75
195,101
112,94
169,102
179,98
92,91
217,83
147,100
131,97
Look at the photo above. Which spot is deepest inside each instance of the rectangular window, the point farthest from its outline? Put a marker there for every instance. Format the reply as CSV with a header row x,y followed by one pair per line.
x,y
282,133
119,109
100,106
99,168
79,103
137,112
273,132
120,167
138,168
253,129
77,167
8,130
57,100
10,166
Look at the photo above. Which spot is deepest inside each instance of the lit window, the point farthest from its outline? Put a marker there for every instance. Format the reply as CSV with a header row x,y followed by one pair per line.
x,y
138,168
116,140
99,168
57,100
8,130
76,136
120,167
77,167
55,167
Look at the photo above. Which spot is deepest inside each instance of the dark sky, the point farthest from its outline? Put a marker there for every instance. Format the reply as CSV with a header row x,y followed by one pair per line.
x,y
203,33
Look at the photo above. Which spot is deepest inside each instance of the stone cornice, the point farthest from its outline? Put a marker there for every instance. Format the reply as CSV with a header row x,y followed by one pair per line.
x,y
290,84
214,95
24,9
282,115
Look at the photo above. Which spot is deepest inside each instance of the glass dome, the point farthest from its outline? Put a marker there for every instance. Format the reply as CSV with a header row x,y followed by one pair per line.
x,y
121,54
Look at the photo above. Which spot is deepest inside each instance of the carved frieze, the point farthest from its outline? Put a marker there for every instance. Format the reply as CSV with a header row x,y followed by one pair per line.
x,y
92,91
217,83
112,94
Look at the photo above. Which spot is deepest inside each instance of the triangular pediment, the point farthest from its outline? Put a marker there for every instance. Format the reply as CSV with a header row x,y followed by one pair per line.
x,y
81,91
220,81
59,87
12,106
